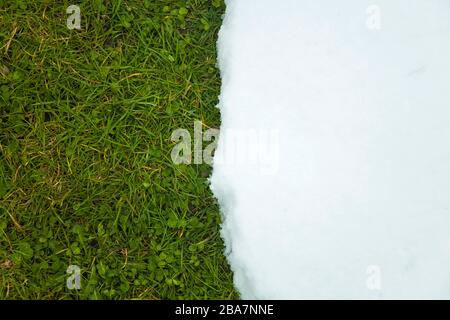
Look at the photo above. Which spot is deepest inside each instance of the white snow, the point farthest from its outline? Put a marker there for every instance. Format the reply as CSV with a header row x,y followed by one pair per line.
x,y
354,96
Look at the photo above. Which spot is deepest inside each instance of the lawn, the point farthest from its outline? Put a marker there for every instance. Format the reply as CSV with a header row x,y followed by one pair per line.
x,y
86,176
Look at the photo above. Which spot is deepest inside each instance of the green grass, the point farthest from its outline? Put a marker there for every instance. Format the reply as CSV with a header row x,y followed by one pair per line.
x,y
86,177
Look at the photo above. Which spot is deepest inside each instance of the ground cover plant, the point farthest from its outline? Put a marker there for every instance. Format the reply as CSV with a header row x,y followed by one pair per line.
x,y
86,177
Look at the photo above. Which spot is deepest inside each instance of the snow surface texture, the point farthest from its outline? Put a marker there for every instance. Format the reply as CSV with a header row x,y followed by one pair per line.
x,y
348,191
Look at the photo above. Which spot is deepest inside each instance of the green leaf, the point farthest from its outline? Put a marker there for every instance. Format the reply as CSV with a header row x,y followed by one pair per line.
x,y
205,24
25,250
183,11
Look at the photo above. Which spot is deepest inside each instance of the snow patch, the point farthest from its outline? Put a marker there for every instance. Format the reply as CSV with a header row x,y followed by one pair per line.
x,y
358,93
